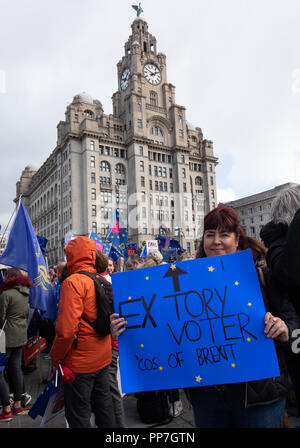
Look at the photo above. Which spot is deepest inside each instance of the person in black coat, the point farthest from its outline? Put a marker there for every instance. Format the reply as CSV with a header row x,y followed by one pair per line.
x,y
281,236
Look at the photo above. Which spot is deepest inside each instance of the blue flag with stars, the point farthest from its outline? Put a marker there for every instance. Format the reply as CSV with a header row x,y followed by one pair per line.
x,y
114,254
117,234
101,245
23,251
40,405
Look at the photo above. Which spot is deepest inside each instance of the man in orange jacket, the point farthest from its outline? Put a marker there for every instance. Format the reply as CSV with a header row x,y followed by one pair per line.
x,y
78,347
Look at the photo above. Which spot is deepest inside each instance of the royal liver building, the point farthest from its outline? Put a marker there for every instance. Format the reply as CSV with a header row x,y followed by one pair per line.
x,y
145,159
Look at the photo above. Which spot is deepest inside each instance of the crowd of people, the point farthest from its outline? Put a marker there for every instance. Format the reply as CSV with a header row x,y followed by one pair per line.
x,y
93,356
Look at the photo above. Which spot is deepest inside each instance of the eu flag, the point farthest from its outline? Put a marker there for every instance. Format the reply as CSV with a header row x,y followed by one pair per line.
x,y
40,405
101,245
163,241
114,254
117,234
23,251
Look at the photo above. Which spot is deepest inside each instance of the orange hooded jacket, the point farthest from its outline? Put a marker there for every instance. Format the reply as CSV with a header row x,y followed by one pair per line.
x,y
77,296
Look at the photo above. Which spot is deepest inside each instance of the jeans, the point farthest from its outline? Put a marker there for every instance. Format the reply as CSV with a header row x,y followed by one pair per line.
x,y
15,375
225,409
117,399
89,392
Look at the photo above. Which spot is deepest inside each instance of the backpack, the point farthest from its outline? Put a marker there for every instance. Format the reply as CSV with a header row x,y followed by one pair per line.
x,y
153,407
105,304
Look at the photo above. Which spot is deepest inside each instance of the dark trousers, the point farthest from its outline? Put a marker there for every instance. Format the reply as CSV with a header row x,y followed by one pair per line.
x,y
89,392
225,409
117,399
15,375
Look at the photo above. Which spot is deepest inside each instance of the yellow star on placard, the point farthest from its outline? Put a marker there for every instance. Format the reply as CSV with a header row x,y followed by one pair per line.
x,y
142,345
160,368
236,283
211,269
198,378
129,298
248,339
249,304
173,267
232,365
147,278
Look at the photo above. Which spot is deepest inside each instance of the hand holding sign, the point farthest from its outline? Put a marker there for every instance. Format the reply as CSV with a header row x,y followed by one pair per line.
x,y
276,328
116,325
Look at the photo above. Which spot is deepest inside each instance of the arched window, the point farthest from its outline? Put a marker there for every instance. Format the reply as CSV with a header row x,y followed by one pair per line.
x,y
120,169
88,113
198,180
105,166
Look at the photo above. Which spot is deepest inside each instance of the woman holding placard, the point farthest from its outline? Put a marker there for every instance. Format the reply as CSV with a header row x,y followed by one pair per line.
x,y
257,403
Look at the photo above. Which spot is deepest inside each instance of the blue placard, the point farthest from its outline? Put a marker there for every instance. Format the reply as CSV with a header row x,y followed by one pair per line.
x,y
194,323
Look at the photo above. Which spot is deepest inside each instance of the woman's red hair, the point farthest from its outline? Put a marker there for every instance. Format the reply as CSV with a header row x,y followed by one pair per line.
x,y
225,219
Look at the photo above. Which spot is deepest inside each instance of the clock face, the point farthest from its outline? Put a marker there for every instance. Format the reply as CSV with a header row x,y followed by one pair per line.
x,y
152,74
125,79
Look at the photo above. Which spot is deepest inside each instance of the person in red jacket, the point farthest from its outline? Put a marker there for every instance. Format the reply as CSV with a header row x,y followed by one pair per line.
x,y
78,347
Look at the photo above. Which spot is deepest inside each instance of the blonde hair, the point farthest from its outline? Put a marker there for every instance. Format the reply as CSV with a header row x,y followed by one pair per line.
x,y
148,263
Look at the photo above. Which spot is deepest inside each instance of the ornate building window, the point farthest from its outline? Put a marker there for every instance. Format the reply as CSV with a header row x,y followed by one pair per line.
x,y
94,227
120,169
156,130
198,180
153,98
105,166
88,113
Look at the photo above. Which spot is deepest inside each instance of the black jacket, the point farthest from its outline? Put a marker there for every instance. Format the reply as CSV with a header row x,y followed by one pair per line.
x,y
278,303
283,256
268,390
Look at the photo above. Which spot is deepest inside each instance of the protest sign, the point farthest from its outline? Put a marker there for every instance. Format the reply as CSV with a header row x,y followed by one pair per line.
x,y
151,245
194,323
169,255
34,346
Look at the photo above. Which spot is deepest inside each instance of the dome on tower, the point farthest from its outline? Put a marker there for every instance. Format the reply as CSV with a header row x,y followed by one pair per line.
x,y
84,97
190,126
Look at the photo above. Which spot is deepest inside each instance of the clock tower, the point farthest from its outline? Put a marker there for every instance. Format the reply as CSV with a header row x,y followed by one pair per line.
x,y
145,159
156,130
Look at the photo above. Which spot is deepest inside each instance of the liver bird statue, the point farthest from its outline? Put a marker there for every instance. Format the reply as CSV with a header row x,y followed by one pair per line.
x,y
138,9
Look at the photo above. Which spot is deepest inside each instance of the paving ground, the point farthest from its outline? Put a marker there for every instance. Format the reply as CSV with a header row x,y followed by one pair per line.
x,y
35,386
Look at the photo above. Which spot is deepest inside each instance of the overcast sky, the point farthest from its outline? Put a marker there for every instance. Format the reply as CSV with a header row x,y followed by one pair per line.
x,y
235,65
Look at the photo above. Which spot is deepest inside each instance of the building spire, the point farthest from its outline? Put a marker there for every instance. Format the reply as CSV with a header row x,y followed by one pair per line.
x,y
138,9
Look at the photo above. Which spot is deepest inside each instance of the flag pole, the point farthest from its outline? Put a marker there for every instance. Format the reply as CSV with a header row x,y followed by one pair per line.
x,y
15,210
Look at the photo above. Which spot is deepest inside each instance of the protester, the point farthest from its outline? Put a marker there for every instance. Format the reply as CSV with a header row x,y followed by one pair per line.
x,y
257,403
106,266
134,262
111,266
78,347
281,236
14,294
155,255
148,263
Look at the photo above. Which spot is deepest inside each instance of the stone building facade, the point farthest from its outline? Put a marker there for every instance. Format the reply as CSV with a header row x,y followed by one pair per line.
x,y
144,159
254,210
